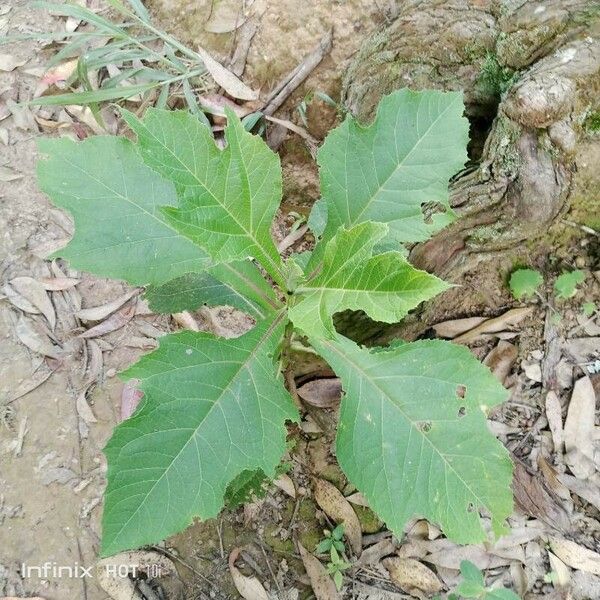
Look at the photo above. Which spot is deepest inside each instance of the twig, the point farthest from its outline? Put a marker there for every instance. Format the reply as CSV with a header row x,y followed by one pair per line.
x,y
293,80
237,64
583,228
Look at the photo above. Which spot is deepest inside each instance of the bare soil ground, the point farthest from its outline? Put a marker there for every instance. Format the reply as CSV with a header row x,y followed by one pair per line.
x,y
51,436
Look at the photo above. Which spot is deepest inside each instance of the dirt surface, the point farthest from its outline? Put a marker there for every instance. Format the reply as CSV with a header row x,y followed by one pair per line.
x,y
51,465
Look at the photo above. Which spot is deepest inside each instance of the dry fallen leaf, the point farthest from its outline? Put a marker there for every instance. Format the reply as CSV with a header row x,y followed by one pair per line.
x,y
554,416
322,393
579,429
35,339
84,410
587,489
8,174
249,588
534,499
337,508
17,300
60,72
36,294
114,322
226,16
450,329
576,556
412,576
130,398
500,360
511,318
285,484
533,371
321,583
98,313
563,575
226,79
8,62
58,284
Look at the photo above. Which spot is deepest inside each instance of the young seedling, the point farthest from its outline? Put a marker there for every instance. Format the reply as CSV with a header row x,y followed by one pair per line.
x,y
473,586
566,284
332,539
192,224
524,283
336,567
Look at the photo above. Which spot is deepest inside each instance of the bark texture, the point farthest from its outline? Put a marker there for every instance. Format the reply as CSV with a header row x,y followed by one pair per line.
x,y
530,72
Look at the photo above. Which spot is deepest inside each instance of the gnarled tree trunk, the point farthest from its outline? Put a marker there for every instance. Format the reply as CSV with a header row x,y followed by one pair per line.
x,y
530,72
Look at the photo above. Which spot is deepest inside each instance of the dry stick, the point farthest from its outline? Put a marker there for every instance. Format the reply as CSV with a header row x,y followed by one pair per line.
x,y
237,64
293,80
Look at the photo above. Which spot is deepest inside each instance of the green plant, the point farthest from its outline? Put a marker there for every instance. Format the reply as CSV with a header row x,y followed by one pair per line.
x,y
588,308
332,539
128,58
473,586
182,217
336,567
524,283
566,284
495,77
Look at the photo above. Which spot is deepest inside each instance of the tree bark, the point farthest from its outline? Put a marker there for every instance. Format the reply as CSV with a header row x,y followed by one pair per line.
x,y
530,72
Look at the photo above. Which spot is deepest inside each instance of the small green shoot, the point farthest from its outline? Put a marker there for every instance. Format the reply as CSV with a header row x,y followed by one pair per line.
x,y
473,586
336,567
588,308
566,284
332,539
309,99
524,283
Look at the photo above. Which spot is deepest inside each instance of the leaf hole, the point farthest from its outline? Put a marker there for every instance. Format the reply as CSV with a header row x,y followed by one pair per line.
x,y
425,426
462,411
461,390
470,507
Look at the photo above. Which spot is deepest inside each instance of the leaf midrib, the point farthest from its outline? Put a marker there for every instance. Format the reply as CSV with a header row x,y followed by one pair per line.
x,y
413,424
400,165
204,186
192,437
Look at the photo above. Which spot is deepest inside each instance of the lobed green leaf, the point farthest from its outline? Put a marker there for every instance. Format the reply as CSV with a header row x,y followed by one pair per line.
x,y
413,437
228,198
115,201
212,409
385,286
385,172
